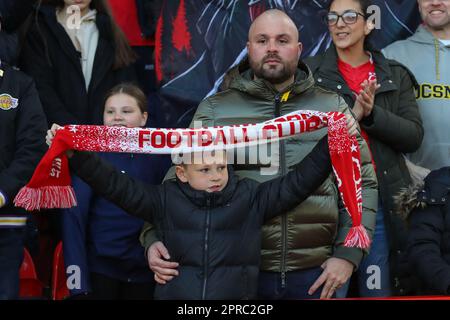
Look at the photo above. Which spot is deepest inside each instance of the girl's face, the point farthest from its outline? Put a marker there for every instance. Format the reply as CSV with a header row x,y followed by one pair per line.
x,y
351,29
123,110
82,4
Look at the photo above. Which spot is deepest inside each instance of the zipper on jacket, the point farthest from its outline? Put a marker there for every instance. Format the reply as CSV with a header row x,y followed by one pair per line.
x,y
206,248
284,216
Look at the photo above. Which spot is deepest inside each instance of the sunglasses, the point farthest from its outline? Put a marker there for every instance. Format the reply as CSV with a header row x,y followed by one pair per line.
x,y
349,17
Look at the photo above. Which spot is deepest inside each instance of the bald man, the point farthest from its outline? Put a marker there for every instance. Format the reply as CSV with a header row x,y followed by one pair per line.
x,y
276,59
302,252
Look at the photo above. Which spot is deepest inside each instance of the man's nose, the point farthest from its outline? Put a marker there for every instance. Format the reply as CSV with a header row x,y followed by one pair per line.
x,y
272,46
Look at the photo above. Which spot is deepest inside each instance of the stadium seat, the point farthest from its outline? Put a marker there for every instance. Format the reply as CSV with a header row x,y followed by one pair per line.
x,y
59,286
29,286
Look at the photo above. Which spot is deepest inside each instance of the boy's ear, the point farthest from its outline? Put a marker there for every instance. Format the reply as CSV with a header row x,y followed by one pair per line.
x,y
181,174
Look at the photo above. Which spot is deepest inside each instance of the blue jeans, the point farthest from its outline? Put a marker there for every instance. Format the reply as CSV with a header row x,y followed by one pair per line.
x,y
297,284
11,256
373,274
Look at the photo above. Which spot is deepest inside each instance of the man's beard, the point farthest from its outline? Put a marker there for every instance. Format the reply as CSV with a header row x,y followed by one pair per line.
x,y
283,72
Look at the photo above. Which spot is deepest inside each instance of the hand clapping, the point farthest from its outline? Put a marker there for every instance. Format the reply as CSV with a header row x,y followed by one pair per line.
x,y
364,101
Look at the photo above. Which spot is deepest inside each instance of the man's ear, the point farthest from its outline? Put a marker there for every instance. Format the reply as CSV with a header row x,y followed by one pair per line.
x,y
300,49
181,173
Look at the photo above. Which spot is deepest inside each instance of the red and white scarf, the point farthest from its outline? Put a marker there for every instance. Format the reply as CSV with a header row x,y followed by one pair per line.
x,y
50,185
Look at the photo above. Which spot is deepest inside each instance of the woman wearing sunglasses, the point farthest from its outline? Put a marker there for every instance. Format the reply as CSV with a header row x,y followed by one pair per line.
x,y
380,93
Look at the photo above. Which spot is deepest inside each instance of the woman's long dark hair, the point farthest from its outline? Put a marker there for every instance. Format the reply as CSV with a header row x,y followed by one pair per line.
x,y
364,4
123,55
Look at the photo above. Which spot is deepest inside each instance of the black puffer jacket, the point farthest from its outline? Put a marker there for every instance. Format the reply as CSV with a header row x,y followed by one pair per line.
x,y
214,236
429,233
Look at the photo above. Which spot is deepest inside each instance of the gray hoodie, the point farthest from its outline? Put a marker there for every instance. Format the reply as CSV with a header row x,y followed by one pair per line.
x,y
429,61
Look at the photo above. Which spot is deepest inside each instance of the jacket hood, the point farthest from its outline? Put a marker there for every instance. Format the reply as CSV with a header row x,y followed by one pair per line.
x,y
406,200
433,190
423,36
241,78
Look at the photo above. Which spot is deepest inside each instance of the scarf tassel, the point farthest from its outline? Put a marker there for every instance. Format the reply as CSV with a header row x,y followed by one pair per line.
x,y
47,197
357,237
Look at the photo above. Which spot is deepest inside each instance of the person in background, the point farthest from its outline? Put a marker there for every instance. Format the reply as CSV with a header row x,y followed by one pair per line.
x,y
380,93
99,237
22,123
427,54
76,53
425,208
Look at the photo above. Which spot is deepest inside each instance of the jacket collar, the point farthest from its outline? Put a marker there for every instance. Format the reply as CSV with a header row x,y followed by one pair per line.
x,y
241,78
433,190
422,35
205,199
